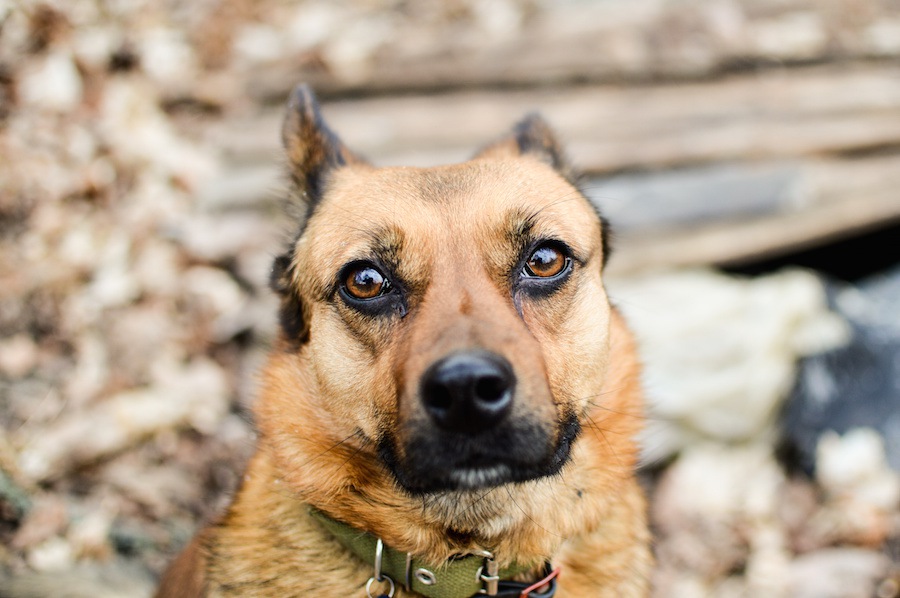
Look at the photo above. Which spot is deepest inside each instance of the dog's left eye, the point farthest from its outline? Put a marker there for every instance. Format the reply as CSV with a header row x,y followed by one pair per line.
x,y
365,282
546,261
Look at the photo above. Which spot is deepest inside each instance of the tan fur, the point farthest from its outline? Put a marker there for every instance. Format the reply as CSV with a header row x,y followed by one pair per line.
x,y
325,401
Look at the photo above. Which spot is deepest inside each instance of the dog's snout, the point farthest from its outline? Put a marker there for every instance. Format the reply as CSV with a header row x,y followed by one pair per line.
x,y
468,392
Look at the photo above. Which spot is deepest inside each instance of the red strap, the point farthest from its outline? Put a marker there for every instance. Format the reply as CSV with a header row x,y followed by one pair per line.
x,y
540,584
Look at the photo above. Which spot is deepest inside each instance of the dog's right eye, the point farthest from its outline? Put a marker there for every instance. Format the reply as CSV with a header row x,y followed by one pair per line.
x,y
365,281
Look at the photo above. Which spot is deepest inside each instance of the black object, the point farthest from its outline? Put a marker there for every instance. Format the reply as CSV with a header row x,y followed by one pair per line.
x,y
854,386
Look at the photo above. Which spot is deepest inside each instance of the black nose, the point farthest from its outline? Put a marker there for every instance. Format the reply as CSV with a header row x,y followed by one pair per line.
x,y
468,392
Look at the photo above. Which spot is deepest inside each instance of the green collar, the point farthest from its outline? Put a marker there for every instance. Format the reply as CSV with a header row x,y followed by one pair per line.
x,y
459,577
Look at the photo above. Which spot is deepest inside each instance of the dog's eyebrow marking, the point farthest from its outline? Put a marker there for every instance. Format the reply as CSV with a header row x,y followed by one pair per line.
x,y
386,244
519,229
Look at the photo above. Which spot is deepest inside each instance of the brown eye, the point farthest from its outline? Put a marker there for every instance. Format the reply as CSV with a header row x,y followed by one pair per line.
x,y
545,262
365,282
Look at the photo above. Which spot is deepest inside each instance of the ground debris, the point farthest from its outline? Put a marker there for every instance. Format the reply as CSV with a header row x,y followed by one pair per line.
x,y
137,231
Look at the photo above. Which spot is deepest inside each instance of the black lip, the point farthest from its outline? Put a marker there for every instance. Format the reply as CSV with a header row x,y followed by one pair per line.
x,y
435,474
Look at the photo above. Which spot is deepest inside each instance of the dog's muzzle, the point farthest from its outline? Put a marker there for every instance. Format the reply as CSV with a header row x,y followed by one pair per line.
x,y
469,433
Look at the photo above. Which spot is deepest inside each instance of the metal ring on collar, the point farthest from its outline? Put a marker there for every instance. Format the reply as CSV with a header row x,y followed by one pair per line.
x,y
390,592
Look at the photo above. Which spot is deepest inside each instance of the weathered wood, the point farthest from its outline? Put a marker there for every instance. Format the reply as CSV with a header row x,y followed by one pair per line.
x,y
712,172
521,43
784,114
820,200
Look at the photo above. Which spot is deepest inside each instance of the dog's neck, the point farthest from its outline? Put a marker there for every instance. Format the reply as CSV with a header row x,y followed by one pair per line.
x,y
438,526
527,522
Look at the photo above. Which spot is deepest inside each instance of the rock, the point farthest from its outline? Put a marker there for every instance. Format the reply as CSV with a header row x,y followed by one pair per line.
x,y
113,283
861,492
837,573
116,579
95,45
46,519
18,356
53,555
52,83
853,467
255,43
720,351
91,372
193,395
216,238
855,386
89,536
715,507
883,37
166,56
141,135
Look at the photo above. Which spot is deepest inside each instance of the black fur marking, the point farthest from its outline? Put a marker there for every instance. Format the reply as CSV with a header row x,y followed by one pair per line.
x,y
387,246
607,235
293,323
290,314
534,136
432,455
520,235
280,277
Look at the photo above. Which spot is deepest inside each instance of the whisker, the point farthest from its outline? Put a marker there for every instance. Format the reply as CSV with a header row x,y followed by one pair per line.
x,y
596,428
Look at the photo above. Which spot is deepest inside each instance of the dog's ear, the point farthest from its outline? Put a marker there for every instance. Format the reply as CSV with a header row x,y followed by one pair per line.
x,y
532,136
292,317
313,150
313,153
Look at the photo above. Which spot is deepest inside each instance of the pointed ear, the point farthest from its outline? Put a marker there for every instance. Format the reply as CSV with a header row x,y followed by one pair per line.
x,y
313,150
532,136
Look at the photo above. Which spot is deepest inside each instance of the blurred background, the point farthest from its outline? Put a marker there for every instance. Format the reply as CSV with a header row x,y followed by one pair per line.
x,y
747,153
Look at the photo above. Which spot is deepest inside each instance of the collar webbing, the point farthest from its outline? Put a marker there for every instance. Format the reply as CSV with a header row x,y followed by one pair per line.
x,y
456,578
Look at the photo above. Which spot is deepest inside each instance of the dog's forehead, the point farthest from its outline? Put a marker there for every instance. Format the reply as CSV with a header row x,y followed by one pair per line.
x,y
476,207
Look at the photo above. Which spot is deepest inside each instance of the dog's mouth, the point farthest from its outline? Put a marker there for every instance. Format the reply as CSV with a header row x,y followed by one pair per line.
x,y
435,461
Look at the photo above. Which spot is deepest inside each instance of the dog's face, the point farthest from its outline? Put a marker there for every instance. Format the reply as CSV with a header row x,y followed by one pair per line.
x,y
453,316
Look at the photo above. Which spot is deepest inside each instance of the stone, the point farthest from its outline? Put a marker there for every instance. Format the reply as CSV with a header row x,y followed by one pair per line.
x,y
744,337
854,386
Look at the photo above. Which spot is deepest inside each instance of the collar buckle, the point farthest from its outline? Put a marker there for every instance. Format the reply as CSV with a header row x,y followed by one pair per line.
x,y
378,576
488,574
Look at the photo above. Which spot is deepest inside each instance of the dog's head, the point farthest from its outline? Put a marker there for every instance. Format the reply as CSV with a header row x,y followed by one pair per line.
x,y
454,317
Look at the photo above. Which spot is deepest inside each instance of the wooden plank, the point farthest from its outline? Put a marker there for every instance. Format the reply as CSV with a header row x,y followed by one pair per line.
x,y
822,200
700,173
526,43
647,203
776,115
722,214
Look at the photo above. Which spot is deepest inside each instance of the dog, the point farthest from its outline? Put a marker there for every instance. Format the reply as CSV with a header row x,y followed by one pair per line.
x,y
451,406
